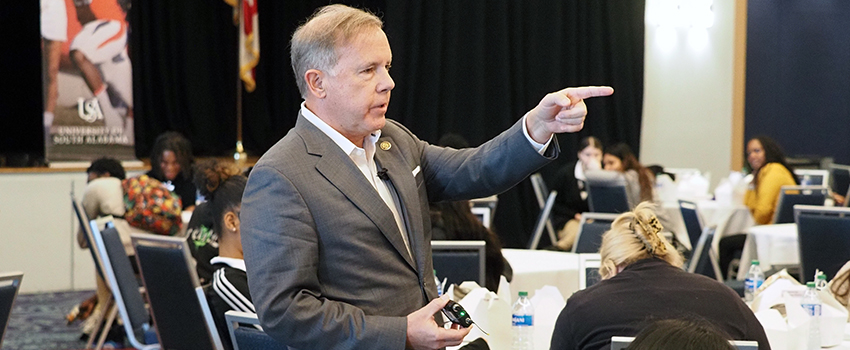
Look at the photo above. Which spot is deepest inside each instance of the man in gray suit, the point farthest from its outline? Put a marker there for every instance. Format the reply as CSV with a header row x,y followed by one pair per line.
x,y
335,224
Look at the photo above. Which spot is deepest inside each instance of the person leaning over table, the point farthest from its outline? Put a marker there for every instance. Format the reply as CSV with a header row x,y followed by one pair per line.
x,y
335,222
642,279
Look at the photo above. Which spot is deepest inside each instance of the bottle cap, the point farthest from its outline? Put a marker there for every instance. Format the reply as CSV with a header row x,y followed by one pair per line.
x,y
755,262
523,294
821,276
810,284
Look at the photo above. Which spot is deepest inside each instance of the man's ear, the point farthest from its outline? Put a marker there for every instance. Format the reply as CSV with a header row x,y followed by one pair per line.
x,y
315,83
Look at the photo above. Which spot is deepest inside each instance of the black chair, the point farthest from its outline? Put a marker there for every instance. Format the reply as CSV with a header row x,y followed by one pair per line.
x,y
840,179
124,286
459,261
542,221
693,222
541,192
10,283
704,259
591,228
606,192
249,338
178,302
102,328
823,236
790,196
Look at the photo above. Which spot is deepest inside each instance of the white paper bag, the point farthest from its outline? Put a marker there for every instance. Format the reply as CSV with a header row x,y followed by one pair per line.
x,y
789,333
490,313
548,303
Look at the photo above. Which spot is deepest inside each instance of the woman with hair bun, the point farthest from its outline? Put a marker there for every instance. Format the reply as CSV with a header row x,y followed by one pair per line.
x,y
223,184
642,278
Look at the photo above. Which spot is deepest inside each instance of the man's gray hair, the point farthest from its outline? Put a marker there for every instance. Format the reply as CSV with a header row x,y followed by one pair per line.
x,y
314,43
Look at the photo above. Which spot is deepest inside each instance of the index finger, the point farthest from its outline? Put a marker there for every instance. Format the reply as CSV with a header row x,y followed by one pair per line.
x,y
589,91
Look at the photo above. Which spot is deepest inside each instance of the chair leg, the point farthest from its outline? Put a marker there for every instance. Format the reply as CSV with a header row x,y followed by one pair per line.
x,y
99,326
113,311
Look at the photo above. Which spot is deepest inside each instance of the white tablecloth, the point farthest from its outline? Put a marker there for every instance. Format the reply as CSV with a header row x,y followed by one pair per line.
x,y
772,245
534,269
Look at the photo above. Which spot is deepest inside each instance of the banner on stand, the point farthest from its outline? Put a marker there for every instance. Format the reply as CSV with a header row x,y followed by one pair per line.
x,y
87,80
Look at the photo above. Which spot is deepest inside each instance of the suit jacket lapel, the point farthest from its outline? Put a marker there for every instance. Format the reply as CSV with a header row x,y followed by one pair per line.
x,y
338,169
405,185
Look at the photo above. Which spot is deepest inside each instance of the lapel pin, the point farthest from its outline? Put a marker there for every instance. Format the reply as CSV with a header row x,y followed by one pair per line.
x,y
385,145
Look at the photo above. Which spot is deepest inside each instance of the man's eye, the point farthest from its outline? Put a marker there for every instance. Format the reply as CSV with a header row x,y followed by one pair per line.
x,y
387,67
368,70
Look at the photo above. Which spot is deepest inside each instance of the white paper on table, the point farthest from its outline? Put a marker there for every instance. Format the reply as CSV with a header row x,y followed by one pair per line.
x,y
490,313
504,291
548,303
833,319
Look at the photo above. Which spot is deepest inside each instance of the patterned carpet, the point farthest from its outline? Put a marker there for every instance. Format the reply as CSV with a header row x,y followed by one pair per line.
x,y
38,322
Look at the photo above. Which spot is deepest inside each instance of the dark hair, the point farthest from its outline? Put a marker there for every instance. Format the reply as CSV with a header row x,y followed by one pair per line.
x,y
630,162
222,184
181,146
772,154
589,141
107,165
681,334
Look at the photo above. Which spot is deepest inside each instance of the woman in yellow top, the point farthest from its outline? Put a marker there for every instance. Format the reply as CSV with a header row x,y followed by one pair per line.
x,y
770,173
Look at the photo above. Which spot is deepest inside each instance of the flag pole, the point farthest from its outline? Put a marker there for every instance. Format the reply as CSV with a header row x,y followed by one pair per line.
x,y
240,157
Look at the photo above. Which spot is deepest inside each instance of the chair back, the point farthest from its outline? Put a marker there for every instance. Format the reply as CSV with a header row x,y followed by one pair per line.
x,y
704,259
588,270
249,338
542,193
591,228
543,222
10,283
693,222
790,196
823,236
812,177
178,302
121,279
459,261
606,192
83,221
622,343
840,179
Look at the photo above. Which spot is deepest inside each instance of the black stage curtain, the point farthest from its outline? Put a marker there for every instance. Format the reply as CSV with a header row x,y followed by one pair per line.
x,y
468,67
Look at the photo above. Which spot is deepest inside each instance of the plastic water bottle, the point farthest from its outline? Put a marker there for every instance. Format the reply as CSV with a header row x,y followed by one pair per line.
x,y
807,180
812,304
523,323
820,281
754,280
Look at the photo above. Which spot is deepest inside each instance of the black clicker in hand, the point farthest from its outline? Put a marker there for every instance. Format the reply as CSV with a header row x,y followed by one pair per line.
x,y
457,314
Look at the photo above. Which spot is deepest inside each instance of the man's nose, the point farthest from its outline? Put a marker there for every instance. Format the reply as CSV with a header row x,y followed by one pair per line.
x,y
386,82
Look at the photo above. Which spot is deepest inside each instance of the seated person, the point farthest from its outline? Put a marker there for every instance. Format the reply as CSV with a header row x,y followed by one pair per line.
x,y
770,172
675,334
104,196
223,189
642,278
171,164
455,221
572,193
639,180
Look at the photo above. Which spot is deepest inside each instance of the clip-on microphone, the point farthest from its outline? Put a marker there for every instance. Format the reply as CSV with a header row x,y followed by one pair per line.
x,y
382,174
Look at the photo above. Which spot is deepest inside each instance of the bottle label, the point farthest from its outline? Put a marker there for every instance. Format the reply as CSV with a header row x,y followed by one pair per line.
x,y
812,309
522,320
752,284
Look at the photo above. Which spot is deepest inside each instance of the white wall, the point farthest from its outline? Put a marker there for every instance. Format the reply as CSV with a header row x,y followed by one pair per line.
x,y
687,110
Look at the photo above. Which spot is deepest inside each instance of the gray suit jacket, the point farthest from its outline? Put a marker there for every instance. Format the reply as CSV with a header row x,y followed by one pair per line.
x,y
327,266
